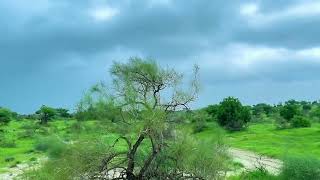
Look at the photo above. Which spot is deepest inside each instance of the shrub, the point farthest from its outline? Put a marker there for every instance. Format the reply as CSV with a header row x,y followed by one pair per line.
x,y
81,160
200,119
289,110
5,116
301,168
52,145
300,121
232,115
200,126
255,175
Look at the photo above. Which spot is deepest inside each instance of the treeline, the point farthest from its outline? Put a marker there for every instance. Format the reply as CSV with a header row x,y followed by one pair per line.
x,y
230,113
44,114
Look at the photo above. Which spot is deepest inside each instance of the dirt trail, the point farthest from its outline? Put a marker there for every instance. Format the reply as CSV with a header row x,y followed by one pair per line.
x,y
251,161
20,169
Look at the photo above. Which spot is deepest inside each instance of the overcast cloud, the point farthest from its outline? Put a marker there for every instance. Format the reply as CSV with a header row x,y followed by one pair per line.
x,y
51,51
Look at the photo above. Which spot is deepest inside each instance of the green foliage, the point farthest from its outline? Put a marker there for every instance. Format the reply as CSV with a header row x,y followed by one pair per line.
x,y
207,159
289,110
52,145
232,115
200,119
301,168
80,161
46,113
255,175
7,142
97,104
5,116
262,108
212,110
300,121
64,113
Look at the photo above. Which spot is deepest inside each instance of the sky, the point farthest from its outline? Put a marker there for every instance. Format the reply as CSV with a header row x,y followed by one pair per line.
x,y
51,51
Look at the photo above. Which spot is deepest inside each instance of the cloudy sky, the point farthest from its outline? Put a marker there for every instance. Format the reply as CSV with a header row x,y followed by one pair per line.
x,y
51,51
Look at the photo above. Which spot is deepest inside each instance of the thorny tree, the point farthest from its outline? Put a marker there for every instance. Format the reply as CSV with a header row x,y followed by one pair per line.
x,y
146,94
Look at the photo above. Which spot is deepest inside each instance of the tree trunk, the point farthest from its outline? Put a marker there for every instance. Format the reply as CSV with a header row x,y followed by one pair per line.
x,y
131,158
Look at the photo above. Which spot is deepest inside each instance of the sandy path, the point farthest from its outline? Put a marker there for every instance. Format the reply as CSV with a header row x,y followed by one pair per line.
x,y
251,161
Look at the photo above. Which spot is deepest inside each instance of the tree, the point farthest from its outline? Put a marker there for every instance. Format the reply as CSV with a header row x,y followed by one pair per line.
x,y
261,108
289,110
146,94
212,111
45,114
64,113
5,116
232,115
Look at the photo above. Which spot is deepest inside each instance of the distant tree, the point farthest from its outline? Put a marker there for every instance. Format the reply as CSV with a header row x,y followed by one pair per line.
x,y
64,113
261,108
232,115
289,110
306,108
5,116
45,114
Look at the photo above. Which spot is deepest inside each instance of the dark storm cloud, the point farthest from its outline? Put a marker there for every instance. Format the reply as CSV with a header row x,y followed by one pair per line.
x,y
51,50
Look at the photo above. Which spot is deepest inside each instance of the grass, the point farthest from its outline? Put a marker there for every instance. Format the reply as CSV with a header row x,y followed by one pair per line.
x,y
266,139
262,138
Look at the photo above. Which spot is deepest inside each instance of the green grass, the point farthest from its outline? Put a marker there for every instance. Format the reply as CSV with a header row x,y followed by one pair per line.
x,y
24,146
266,139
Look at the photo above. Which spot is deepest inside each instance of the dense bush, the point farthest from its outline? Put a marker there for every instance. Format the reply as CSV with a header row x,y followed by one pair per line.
x,y
289,110
199,118
300,121
262,108
255,175
301,168
52,145
5,116
232,115
80,161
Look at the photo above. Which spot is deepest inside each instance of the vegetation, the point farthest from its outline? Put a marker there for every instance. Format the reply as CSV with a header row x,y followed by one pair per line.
x,y
5,116
45,114
141,127
232,115
301,168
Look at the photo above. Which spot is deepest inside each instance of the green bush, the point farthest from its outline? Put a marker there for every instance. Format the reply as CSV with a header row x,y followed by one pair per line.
x,y
232,115
52,145
78,162
199,126
199,118
255,175
300,121
5,116
301,168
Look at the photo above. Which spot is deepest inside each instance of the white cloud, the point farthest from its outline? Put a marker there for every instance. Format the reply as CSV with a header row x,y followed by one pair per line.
x,y
255,17
249,9
103,13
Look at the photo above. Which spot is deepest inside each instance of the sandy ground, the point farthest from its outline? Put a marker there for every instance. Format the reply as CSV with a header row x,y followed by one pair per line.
x,y
252,161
